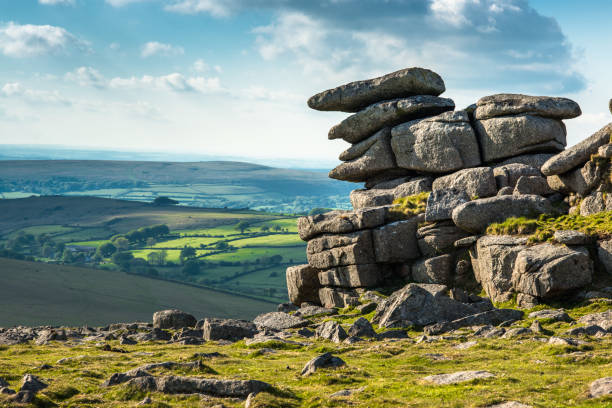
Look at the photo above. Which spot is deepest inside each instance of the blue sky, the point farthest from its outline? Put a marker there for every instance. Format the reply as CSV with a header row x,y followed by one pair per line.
x,y
231,77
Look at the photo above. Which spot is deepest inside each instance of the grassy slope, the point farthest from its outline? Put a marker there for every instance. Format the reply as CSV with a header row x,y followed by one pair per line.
x,y
527,370
53,294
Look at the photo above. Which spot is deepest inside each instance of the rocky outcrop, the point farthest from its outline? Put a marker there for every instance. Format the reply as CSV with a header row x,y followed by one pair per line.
x,y
436,179
173,319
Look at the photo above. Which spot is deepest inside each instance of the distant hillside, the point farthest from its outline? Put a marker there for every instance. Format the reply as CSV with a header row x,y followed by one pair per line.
x,y
214,184
41,294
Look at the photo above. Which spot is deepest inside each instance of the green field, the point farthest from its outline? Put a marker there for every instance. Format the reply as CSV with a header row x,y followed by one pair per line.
x,y
249,262
55,294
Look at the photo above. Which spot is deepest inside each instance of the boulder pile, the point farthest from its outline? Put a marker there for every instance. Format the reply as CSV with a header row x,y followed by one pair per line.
x,y
435,178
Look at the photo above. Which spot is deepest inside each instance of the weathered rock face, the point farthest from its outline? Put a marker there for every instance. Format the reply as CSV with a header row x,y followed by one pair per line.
x,y
302,284
493,262
384,196
364,123
534,185
577,154
396,242
507,175
340,298
173,319
596,202
441,203
580,181
515,104
476,215
366,159
439,144
326,360
477,182
330,251
438,238
418,304
507,136
279,321
353,276
547,270
435,270
604,253
340,222
355,96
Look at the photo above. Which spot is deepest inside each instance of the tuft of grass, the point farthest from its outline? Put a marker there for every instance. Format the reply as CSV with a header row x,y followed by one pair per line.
x,y
543,228
411,205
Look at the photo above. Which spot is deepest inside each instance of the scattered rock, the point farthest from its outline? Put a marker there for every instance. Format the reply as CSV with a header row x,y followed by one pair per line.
x,y
347,392
510,404
326,360
362,327
355,96
310,311
516,332
146,401
466,345
331,330
32,383
489,317
279,321
228,329
601,387
173,319
603,320
562,341
196,385
458,377
552,315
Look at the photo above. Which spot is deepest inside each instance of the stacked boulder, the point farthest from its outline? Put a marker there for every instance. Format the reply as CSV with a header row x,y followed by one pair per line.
x,y
471,168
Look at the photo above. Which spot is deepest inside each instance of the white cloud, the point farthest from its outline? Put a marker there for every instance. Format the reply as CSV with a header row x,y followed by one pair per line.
x,y
15,89
114,46
156,48
216,8
54,2
29,40
86,76
200,66
175,82
121,3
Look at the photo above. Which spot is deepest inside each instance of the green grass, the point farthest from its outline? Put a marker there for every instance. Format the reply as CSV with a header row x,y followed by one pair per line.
x,y
37,294
543,228
526,370
411,205
244,254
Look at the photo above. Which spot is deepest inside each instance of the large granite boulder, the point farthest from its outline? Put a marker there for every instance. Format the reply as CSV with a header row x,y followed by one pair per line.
x,y
475,216
437,270
596,202
604,253
338,297
508,136
363,198
366,159
578,154
580,181
478,182
421,305
438,238
341,222
441,203
493,261
330,251
532,185
507,175
439,144
412,187
515,104
364,123
302,284
355,96
353,276
547,270
173,319
396,242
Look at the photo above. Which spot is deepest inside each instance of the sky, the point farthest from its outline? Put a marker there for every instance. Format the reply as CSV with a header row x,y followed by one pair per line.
x,y
230,78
